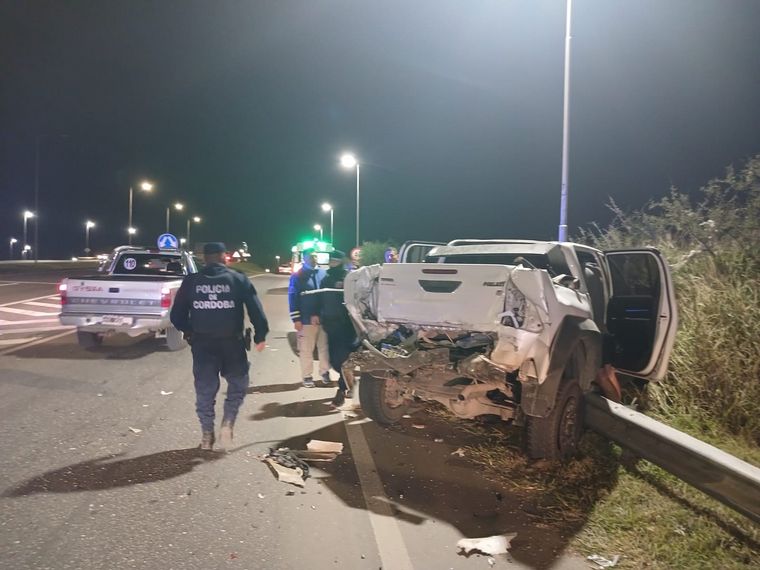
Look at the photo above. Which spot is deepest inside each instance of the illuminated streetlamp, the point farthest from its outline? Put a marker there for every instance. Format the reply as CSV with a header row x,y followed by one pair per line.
x,y
131,232
88,225
10,247
349,161
145,186
26,248
195,219
328,208
318,228
177,207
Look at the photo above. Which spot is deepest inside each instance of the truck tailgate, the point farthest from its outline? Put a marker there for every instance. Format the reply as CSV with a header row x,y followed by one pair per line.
x,y
443,295
115,297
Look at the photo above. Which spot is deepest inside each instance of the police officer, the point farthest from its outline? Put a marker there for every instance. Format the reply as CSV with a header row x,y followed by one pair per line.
x,y
341,336
208,309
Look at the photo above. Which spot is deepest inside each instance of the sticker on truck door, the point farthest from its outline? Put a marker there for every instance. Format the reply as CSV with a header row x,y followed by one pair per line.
x,y
130,263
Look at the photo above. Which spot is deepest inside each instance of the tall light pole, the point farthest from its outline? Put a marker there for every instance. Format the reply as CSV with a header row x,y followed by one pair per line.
x,y
177,207
131,232
565,128
25,246
37,190
349,161
10,247
195,219
88,225
145,186
318,228
328,208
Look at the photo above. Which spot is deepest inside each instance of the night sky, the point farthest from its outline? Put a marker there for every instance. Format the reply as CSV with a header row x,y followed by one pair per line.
x,y
241,109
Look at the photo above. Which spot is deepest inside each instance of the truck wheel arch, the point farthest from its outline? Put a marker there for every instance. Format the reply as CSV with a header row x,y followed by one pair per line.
x,y
576,335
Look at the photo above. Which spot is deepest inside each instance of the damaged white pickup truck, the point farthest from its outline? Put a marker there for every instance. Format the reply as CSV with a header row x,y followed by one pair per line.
x,y
506,328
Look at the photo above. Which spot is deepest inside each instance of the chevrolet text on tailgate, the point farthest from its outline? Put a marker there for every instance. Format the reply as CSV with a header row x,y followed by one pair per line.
x,y
132,294
517,330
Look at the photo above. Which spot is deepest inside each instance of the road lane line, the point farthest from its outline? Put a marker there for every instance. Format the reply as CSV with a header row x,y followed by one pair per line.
x,y
43,340
22,301
34,330
49,304
390,542
27,322
4,284
27,312
11,341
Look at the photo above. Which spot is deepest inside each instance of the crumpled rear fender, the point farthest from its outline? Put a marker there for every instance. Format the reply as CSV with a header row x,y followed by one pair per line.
x,y
575,335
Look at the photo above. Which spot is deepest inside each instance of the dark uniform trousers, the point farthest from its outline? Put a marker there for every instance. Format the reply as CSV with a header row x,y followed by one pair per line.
x,y
212,357
341,339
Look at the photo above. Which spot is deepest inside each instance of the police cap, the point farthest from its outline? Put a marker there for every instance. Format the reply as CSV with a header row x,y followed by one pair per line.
x,y
337,254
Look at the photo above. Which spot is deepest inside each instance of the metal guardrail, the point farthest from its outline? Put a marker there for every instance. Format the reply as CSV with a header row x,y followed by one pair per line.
x,y
730,480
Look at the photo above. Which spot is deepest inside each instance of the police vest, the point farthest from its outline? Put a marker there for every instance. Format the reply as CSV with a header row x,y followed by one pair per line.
x,y
216,308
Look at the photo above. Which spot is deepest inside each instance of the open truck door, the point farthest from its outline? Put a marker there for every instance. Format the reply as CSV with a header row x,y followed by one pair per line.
x,y
415,251
642,316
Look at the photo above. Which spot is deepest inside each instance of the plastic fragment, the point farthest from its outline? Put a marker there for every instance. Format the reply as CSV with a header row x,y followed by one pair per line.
x,y
260,496
438,440
603,562
135,430
491,562
489,545
164,393
418,426
294,476
458,452
324,446
406,416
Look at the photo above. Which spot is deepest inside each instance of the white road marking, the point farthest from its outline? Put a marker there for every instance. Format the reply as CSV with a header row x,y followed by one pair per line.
x,y
22,301
27,312
390,543
48,339
12,341
34,330
4,284
49,304
27,322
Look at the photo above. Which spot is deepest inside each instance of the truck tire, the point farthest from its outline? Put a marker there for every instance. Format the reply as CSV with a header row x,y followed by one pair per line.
x,y
556,436
89,339
380,400
174,340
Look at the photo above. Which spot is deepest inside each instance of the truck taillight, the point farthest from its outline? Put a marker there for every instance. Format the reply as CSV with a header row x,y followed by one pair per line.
x,y
62,288
166,298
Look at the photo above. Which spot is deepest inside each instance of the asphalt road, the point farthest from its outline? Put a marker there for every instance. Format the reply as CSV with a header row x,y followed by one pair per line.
x,y
82,488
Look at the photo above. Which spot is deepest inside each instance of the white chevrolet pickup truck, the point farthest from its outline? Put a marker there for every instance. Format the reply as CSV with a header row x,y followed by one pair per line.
x,y
508,328
132,294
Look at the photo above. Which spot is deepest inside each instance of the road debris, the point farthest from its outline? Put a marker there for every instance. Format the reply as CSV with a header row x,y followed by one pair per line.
x,y
406,416
491,562
418,426
438,440
324,446
134,430
164,393
260,496
489,545
292,475
459,452
603,562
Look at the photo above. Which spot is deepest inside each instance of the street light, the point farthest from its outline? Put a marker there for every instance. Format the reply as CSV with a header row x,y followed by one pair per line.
x,y
27,215
10,247
195,219
177,207
349,161
318,228
328,208
87,226
145,186
565,129
131,232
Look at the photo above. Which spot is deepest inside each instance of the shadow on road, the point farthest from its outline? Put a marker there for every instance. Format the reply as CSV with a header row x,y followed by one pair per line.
x,y
275,388
306,409
113,348
423,481
105,473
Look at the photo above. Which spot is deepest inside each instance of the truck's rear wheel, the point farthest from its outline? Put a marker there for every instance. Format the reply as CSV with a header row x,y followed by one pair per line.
x,y
174,340
556,436
381,399
89,339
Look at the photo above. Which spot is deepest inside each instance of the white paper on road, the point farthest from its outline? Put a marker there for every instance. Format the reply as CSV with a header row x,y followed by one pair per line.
x,y
490,545
325,446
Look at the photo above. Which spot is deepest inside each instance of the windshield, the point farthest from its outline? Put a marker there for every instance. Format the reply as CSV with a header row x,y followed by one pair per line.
x,y
149,264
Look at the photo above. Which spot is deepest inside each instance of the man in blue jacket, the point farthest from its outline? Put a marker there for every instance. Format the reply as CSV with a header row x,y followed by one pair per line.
x,y
304,312
208,309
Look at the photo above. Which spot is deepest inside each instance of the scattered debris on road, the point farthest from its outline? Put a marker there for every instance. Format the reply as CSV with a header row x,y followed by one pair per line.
x,y
260,496
290,465
603,562
135,430
324,446
438,440
459,452
292,475
418,426
164,393
489,545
